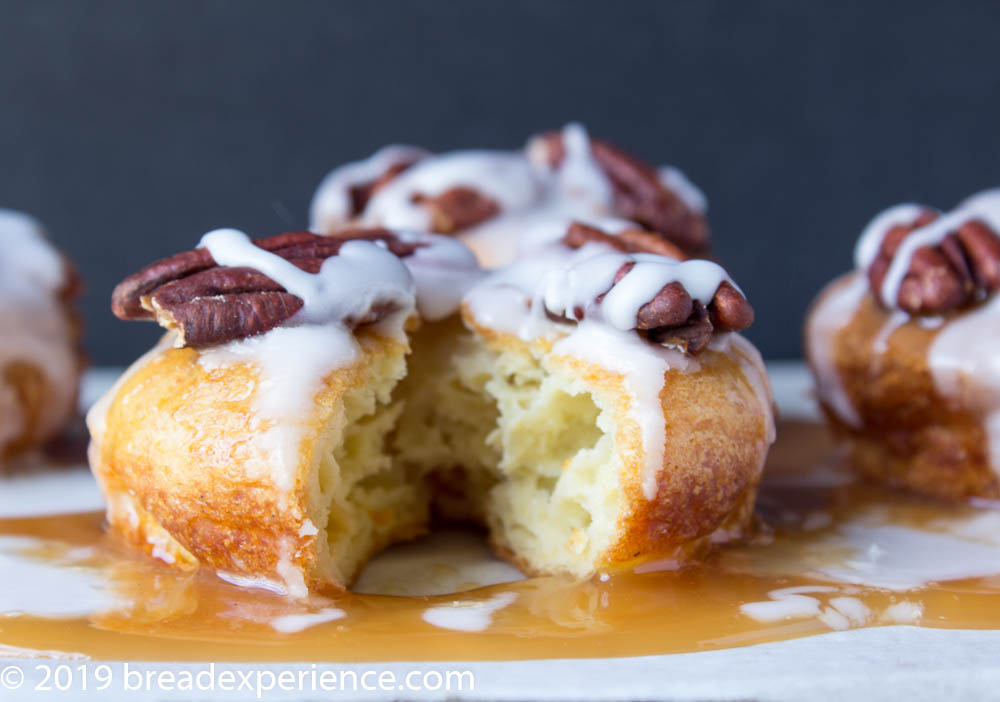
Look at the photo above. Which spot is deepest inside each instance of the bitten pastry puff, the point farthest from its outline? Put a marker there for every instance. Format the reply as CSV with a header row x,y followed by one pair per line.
x,y
504,203
40,357
317,398
905,349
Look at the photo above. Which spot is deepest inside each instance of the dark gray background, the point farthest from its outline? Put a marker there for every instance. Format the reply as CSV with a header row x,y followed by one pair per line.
x,y
131,128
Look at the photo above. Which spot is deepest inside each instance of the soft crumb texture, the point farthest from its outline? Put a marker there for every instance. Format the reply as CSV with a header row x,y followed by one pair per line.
x,y
544,450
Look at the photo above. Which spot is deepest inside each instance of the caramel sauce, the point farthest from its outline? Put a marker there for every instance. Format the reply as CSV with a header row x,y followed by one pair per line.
x,y
198,617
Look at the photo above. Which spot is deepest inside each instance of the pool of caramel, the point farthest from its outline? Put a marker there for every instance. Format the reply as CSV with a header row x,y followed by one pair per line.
x,y
198,617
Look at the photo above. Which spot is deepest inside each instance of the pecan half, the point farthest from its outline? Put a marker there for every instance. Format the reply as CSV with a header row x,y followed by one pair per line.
x,y
673,317
627,241
361,193
458,208
210,304
639,193
959,271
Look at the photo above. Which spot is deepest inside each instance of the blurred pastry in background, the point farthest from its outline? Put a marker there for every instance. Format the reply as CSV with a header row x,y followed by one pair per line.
x,y
40,356
316,398
502,203
906,349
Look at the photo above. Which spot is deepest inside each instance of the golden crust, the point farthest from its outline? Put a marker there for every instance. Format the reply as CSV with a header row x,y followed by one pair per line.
x,y
717,438
173,452
183,481
910,436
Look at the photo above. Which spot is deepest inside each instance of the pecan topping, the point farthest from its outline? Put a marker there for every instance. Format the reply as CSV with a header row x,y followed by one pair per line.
x,y
627,241
960,270
361,193
639,193
672,316
210,304
458,208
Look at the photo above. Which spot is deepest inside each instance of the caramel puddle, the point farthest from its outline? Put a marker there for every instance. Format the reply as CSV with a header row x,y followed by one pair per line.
x,y
842,555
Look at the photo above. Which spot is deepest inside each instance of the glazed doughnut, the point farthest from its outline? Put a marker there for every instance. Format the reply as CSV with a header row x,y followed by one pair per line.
x,y
502,203
40,358
904,349
317,398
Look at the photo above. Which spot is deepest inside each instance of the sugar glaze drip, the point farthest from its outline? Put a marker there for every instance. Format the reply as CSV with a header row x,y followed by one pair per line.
x,y
537,202
516,299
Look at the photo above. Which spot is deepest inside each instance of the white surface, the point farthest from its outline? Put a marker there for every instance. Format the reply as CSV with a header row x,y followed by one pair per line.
x,y
898,662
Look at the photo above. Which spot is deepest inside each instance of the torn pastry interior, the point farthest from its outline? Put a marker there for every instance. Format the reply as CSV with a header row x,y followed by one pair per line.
x,y
904,348
501,203
318,398
40,356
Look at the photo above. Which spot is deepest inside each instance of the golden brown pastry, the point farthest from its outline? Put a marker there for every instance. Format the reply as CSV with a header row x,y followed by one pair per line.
x,y
904,349
40,359
315,397
504,203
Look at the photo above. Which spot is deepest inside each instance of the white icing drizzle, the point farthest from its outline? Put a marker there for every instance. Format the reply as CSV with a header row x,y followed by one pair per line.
x,y
347,286
755,373
834,310
503,176
966,367
444,270
676,180
537,201
468,616
294,623
579,176
962,357
39,588
985,205
872,236
897,319
643,367
577,286
331,205
34,326
514,300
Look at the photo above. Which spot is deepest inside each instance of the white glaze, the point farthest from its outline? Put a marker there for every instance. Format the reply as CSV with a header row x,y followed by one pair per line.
x,y
896,319
904,612
537,201
503,176
331,205
965,362
834,310
782,607
516,299
882,554
468,616
690,194
443,270
985,206
361,276
318,338
874,232
34,326
962,357
754,372
294,623
61,586
643,367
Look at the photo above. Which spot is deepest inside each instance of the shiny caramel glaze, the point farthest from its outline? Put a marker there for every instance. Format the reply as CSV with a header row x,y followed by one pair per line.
x,y
197,617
